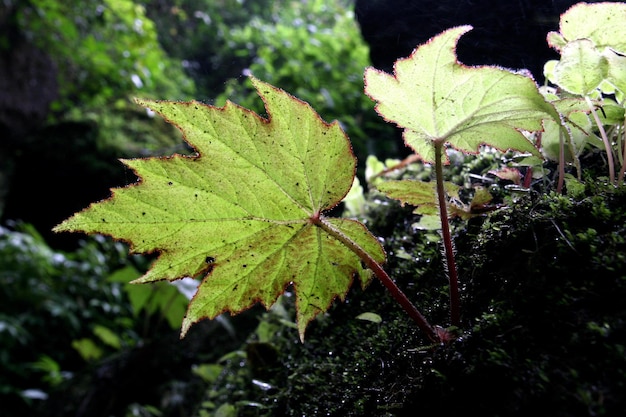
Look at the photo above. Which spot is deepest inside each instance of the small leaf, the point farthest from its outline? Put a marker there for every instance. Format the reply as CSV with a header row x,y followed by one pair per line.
x,y
435,98
582,67
244,212
354,201
373,317
478,206
107,336
87,349
421,194
507,173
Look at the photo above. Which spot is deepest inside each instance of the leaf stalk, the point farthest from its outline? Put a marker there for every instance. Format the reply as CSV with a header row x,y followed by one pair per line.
x,y
455,304
384,278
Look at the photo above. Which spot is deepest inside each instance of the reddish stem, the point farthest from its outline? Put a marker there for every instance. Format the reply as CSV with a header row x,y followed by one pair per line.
x,y
455,303
380,273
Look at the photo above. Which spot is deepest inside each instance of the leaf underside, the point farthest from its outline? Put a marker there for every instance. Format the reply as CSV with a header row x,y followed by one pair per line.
x,y
437,99
238,214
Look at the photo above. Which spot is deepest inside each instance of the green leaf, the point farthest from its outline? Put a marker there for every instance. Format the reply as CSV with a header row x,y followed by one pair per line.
x,y
107,336
244,213
576,122
437,99
369,316
87,349
602,23
582,67
592,43
421,194
616,71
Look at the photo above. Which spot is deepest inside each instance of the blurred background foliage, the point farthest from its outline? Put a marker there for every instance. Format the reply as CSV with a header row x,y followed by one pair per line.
x,y
70,323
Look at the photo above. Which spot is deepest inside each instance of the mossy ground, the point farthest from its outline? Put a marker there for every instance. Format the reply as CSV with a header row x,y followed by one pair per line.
x,y
544,325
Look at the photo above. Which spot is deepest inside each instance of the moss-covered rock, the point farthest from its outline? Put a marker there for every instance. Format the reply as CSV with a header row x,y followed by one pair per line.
x,y
543,282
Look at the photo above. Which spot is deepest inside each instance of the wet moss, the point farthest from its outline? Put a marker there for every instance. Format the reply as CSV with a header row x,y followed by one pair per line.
x,y
544,325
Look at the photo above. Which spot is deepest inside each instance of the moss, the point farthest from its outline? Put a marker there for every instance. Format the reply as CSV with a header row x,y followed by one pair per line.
x,y
543,285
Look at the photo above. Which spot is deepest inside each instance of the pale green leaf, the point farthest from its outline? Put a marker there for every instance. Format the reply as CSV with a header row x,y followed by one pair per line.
x,y
429,222
241,213
421,194
579,128
369,316
602,23
581,69
354,201
435,98
617,70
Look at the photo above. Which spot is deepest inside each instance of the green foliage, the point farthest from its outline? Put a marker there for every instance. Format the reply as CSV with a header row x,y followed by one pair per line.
x,y
198,32
53,293
104,49
63,307
162,298
103,52
314,50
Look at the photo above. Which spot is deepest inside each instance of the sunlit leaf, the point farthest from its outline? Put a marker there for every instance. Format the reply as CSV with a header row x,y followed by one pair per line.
x,y
437,99
244,213
373,317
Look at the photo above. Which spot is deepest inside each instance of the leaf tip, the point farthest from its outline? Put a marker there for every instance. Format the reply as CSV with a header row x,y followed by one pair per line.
x,y
61,227
143,102
187,323
67,225
301,331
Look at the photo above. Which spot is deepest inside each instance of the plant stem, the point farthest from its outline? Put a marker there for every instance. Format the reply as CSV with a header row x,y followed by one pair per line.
x,y
559,187
605,139
620,178
453,281
380,273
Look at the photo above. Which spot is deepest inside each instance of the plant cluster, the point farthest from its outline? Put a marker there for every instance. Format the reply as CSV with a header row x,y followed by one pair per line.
x,y
245,213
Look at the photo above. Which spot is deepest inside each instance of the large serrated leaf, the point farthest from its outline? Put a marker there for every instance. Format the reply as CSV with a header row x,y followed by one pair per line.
x,y
244,212
435,98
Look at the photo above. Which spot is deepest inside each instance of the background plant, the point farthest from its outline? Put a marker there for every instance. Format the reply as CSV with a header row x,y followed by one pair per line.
x,y
314,50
